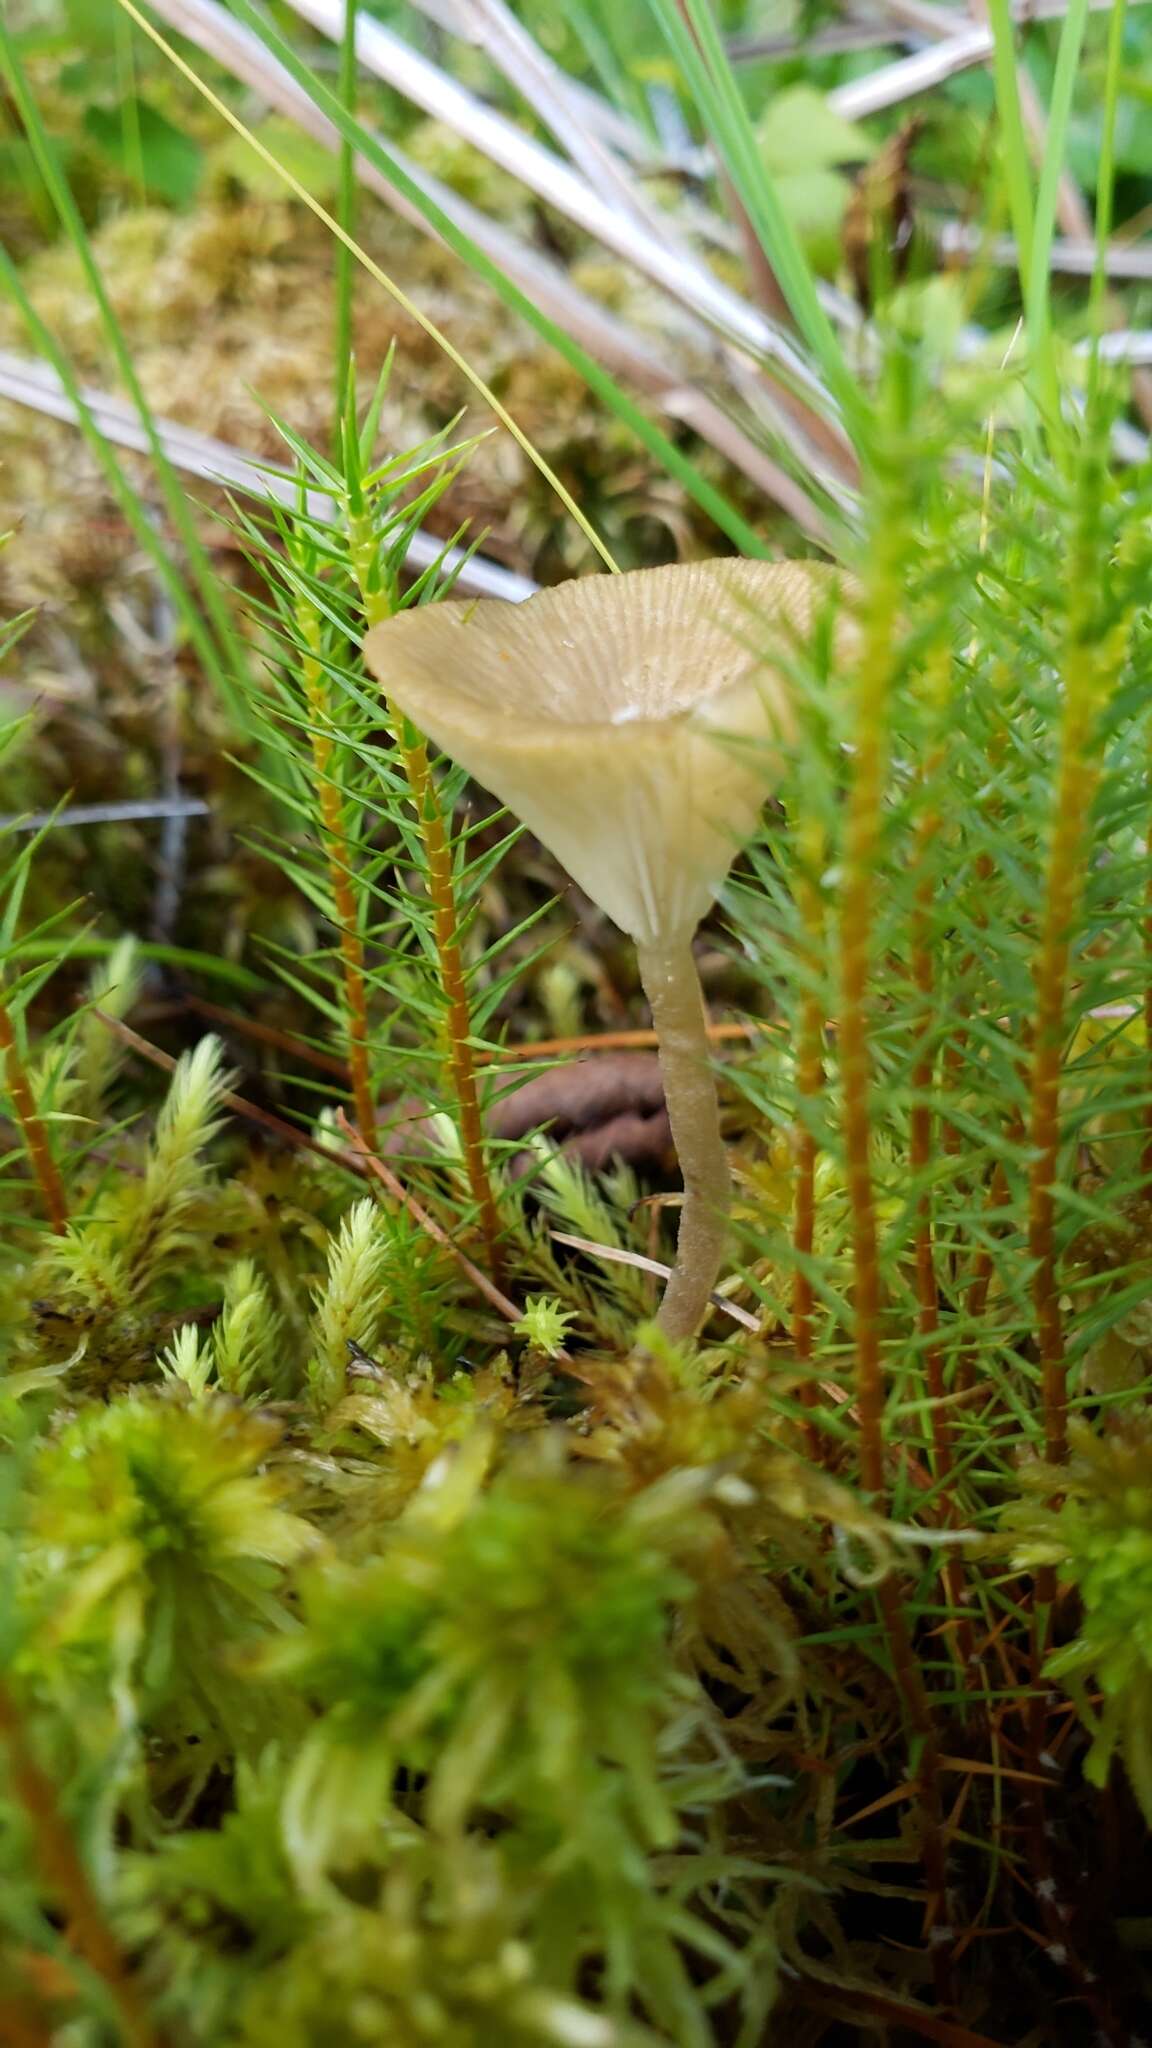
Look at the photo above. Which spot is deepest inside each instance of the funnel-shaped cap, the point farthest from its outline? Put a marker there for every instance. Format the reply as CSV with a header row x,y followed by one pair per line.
x,y
599,713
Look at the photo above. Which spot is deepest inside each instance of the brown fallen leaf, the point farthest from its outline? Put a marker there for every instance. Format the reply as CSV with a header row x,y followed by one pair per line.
x,y
606,1107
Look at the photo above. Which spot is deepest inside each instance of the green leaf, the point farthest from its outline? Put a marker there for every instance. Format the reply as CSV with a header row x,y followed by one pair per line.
x,y
309,161
814,201
212,965
1133,138
141,142
692,35
800,131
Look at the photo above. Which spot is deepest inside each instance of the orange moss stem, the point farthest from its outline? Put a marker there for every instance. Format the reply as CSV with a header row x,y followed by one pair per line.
x,y
413,753
921,1123
855,1067
336,853
809,1084
21,2027
1094,651
66,1879
461,1058
918,1713
32,1128
1075,790
863,824
979,1281
1146,1157
1091,655
985,874
920,1149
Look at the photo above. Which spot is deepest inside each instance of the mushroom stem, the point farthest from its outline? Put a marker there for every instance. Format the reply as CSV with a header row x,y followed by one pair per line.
x,y
672,986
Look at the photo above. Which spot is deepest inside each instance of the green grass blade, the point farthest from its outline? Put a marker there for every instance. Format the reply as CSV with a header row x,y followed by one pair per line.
x,y
693,37
1038,295
211,965
1106,175
346,215
608,58
1017,162
229,653
658,444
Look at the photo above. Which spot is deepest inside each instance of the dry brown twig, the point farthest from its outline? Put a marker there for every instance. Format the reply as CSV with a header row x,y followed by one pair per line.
x,y
359,1161
379,1170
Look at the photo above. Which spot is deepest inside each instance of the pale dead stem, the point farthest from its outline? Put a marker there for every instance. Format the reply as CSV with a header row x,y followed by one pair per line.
x,y
31,382
614,1254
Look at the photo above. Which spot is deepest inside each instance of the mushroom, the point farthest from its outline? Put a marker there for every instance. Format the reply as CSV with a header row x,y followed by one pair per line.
x,y
604,714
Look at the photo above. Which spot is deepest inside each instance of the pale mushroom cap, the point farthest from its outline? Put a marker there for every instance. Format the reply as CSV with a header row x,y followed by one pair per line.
x,y
603,714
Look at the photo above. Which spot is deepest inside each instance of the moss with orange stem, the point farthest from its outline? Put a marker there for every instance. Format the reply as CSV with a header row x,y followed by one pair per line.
x,y
1146,1160
984,875
461,1059
413,755
809,1085
32,1127
1077,783
920,1133
920,1142
1044,1131
1091,662
1092,657
862,833
878,613
337,855
929,825
65,1877
979,1279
